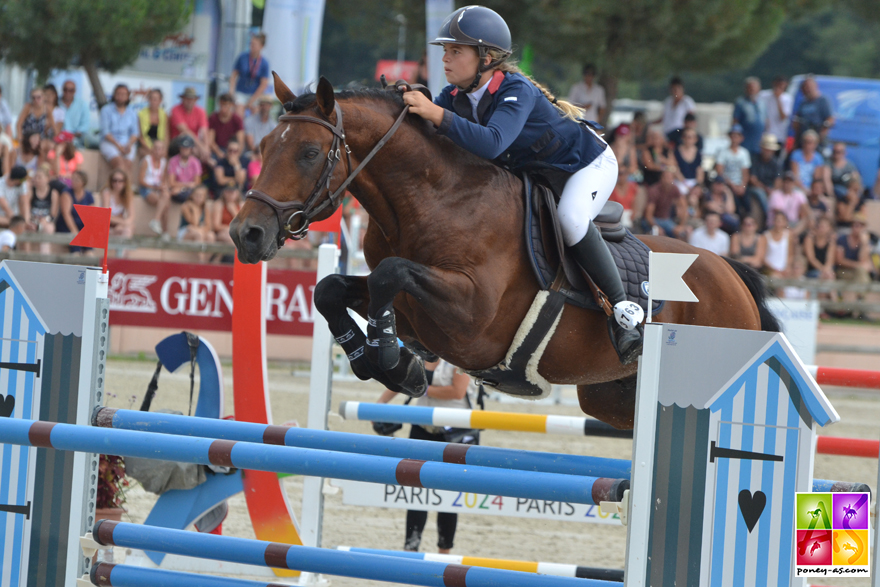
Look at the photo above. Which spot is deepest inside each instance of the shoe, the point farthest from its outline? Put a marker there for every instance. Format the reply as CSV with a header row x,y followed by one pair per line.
x,y
593,255
156,227
627,343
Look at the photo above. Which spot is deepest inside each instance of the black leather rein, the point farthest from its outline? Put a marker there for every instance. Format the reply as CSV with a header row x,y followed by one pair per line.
x,y
307,210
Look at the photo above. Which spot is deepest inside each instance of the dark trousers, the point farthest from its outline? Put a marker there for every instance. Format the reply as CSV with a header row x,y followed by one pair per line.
x,y
416,520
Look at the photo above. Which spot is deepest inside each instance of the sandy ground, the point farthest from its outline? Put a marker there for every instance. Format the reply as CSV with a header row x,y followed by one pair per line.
x,y
497,537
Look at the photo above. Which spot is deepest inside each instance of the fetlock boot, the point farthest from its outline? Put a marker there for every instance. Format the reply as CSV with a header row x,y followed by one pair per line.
x,y
593,255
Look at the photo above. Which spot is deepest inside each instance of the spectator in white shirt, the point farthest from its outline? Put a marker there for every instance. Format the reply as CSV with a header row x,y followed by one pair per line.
x,y
12,187
710,236
9,236
777,105
675,108
589,95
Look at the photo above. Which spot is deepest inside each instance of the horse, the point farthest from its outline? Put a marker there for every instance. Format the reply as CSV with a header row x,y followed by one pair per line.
x,y
449,271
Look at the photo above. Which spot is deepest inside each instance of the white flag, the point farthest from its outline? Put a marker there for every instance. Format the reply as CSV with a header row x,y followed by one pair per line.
x,y
665,272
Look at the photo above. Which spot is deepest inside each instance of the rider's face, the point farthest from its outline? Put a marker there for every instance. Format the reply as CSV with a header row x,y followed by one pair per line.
x,y
460,64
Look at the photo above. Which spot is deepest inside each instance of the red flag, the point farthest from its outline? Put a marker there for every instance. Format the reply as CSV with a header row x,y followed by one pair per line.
x,y
96,229
330,224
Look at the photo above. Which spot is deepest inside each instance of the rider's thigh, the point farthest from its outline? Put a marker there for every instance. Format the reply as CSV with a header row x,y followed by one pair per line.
x,y
584,195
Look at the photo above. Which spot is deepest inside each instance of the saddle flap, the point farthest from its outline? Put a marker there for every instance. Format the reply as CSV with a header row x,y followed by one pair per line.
x,y
547,252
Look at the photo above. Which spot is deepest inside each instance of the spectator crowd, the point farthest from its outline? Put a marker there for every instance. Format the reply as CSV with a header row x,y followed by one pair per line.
x,y
182,155
788,206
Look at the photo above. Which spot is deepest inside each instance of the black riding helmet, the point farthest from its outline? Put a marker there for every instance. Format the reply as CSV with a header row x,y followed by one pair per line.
x,y
478,27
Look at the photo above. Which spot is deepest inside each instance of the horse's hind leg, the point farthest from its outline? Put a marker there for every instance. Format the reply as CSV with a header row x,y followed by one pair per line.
x,y
333,296
613,402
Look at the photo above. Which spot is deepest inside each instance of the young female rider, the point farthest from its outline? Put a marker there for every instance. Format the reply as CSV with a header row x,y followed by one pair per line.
x,y
491,109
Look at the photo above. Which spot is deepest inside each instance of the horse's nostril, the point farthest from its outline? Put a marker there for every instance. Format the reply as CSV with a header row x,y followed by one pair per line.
x,y
254,235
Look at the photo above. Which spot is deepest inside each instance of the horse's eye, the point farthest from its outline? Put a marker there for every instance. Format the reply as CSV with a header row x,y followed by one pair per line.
x,y
312,153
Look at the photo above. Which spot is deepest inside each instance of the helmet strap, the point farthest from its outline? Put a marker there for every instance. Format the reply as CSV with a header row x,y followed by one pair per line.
x,y
481,69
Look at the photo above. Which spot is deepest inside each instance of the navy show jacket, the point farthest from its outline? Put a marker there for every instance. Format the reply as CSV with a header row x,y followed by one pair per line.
x,y
517,125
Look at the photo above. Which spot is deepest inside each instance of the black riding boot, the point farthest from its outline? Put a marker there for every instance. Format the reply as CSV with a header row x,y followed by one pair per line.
x,y
593,255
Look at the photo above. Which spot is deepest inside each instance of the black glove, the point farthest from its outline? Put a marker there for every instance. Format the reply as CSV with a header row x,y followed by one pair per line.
x,y
429,375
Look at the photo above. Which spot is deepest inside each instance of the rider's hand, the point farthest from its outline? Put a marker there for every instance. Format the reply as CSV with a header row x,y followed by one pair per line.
x,y
419,104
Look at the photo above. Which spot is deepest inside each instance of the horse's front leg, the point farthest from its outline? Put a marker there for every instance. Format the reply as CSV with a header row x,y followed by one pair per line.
x,y
446,296
333,296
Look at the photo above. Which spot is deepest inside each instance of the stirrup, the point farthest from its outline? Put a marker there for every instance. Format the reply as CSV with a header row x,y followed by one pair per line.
x,y
620,337
628,314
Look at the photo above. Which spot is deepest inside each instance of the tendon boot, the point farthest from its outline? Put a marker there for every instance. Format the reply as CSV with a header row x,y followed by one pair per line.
x,y
593,255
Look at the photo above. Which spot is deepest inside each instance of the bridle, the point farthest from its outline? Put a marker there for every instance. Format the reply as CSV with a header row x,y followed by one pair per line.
x,y
313,205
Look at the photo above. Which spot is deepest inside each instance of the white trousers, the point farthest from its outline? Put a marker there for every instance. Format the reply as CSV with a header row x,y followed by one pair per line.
x,y
584,195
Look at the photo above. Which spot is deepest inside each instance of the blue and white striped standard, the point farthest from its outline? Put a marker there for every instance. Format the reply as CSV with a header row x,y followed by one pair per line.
x,y
423,450
315,463
322,560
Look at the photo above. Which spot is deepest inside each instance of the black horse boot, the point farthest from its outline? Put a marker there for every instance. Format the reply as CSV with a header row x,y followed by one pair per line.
x,y
593,255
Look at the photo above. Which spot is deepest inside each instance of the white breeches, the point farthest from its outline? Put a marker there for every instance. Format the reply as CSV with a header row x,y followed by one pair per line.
x,y
584,195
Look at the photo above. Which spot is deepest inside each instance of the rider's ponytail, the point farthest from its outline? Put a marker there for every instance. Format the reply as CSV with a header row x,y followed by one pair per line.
x,y
567,109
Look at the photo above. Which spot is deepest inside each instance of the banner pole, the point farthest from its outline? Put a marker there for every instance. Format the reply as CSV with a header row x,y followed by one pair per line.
x,y
650,286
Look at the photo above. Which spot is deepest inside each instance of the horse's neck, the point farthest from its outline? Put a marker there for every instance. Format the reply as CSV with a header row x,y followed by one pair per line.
x,y
412,178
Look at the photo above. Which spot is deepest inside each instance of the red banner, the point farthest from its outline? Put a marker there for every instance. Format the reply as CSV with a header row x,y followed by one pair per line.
x,y
199,297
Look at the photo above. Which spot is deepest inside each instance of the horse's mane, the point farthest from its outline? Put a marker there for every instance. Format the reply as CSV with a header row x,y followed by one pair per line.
x,y
393,103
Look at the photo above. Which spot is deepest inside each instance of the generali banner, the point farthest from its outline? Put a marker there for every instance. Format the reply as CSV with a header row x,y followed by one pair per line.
x,y
199,297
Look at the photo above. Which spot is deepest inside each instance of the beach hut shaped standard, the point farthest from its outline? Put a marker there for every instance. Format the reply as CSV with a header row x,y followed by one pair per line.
x,y
726,426
50,316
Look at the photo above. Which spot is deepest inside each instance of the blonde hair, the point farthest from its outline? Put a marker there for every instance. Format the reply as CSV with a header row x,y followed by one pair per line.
x,y
567,109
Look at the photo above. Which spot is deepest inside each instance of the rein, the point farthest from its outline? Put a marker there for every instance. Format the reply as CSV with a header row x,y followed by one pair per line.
x,y
307,210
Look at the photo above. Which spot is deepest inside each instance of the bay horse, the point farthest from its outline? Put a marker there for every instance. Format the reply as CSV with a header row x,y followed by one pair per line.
x,y
445,246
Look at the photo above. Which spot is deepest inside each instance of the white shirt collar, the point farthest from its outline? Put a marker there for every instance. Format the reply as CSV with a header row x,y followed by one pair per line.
x,y
475,97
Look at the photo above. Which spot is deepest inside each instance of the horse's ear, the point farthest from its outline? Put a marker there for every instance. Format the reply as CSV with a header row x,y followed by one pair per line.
x,y
282,92
326,99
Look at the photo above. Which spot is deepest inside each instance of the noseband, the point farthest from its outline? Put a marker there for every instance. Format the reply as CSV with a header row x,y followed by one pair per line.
x,y
306,211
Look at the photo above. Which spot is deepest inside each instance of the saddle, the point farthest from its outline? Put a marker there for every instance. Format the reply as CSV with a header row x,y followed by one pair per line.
x,y
550,263
562,281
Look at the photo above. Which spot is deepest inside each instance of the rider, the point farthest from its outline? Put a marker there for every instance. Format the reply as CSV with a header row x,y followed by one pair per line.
x,y
495,111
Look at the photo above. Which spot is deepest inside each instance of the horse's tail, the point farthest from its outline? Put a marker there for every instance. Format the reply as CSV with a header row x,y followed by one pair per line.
x,y
760,293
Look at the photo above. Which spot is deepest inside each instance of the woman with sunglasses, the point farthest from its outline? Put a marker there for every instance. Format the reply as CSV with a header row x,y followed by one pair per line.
x,y
35,117
117,195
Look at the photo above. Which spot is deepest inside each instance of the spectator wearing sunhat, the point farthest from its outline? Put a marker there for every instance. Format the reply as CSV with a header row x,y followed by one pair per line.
x,y
189,119
765,174
732,165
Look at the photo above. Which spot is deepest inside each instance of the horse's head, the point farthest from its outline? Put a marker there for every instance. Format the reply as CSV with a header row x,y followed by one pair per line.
x,y
300,173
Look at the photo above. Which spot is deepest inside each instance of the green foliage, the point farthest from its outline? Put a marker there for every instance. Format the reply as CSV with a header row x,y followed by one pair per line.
x,y
53,34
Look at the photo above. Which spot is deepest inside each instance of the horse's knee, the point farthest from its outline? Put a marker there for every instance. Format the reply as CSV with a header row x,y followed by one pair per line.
x,y
330,294
389,276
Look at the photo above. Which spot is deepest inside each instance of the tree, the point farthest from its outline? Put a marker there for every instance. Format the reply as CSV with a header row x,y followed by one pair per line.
x,y
105,34
647,39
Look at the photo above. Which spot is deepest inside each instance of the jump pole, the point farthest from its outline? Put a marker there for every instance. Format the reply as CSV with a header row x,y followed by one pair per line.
x,y
311,462
559,570
110,575
322,560
424,450
404,448
480,419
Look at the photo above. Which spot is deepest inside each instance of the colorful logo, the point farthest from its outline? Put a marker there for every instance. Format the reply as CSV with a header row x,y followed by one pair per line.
x,y
832,533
